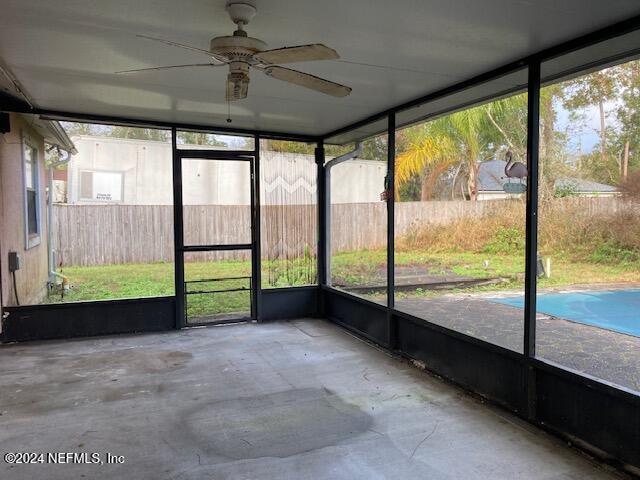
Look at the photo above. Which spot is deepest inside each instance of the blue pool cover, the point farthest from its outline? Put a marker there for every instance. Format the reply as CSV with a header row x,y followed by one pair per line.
x,y
617,310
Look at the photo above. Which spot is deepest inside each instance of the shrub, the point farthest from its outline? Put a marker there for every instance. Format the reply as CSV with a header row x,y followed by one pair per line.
x,y
611,252
603,230
506,240
565,189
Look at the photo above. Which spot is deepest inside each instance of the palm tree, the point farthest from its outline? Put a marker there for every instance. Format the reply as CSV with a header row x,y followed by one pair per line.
x,y
488,130
428,154
435,146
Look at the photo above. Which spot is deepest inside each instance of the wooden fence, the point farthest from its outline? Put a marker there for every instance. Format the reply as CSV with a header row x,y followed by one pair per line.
x,y
115,234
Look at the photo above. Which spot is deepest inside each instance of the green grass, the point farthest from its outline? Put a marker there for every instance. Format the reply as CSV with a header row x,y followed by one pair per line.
x,y
358,268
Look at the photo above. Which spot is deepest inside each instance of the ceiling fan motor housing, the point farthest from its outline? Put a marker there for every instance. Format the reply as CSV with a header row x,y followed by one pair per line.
x,y
237,47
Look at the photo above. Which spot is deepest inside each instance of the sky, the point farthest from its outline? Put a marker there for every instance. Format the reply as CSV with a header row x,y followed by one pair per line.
x,y
584,137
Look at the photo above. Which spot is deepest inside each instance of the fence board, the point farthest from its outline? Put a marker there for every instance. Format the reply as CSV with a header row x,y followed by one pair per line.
x,y
114,234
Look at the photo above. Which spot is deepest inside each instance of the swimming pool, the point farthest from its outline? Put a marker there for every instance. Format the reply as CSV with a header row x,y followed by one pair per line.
x,y
617,310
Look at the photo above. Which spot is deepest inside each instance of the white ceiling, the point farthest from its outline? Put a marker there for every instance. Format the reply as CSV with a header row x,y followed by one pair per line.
x,y
64,53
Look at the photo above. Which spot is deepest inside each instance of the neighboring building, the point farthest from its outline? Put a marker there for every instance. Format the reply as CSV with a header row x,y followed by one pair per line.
x,y
108,170
585,188
491,180
24,181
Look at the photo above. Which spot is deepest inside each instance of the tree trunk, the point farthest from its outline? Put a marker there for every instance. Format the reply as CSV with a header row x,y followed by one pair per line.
x,y
547,137
453,182
473,180
429,182
425,189
625,161
603,151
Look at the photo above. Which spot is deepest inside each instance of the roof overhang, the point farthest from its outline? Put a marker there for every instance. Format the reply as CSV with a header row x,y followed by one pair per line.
x,y
52,132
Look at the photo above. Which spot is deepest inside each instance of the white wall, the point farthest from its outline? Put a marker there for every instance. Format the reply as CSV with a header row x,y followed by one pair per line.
x,y
357,181
147,175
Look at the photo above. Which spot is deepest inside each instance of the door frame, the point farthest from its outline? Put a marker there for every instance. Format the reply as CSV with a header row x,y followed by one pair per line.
x,y
251,156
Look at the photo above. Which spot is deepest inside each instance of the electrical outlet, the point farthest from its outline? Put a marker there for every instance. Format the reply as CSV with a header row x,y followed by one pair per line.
x,y
14,261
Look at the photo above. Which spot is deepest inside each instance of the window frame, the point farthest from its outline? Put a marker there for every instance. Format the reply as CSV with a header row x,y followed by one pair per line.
x,y
31,240
93,172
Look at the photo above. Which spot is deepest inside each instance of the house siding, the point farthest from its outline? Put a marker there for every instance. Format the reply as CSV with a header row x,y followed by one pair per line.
x,y
31,279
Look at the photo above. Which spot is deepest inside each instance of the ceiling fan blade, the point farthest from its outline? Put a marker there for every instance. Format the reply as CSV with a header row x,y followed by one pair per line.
x,y
308,81
300,53
220,59
169,67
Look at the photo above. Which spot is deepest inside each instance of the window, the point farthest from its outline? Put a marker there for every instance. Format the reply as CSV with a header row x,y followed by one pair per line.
x,y
356,176
31,195
288,183
589,217
204,140
101,186
113,237
460,211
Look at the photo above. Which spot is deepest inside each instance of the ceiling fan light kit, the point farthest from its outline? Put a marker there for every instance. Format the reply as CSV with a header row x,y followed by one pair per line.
x,y
242,52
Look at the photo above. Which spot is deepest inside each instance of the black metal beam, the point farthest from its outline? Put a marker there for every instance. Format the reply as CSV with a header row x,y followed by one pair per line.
x,y
323,227
200,292
178,238
256,263
600,35
83,319
322,255
10,103
219,279
216,248
138,122
235,155
531,232
391,223
531,227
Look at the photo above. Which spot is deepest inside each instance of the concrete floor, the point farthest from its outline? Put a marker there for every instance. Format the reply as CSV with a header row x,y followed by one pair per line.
x,y
290,400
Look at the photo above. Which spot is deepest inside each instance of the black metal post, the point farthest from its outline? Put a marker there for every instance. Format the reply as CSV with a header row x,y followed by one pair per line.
x,y
256,268
322,254
178,238
390,186
531,230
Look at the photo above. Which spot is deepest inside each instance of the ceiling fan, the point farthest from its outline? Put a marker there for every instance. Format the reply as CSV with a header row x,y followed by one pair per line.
x,y
241,53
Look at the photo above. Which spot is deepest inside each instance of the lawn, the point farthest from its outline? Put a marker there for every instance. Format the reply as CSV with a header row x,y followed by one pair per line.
x,y
351,269
157,279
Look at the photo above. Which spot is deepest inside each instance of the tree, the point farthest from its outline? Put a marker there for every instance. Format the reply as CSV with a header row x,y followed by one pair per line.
x,y
594,89
428,153
74,128
199,138
435,146
136,133
117,131
627,144
289,147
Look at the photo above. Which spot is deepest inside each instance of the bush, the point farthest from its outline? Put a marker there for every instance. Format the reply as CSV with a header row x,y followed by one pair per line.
x,y
506,240
566,189
603,230
611,252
